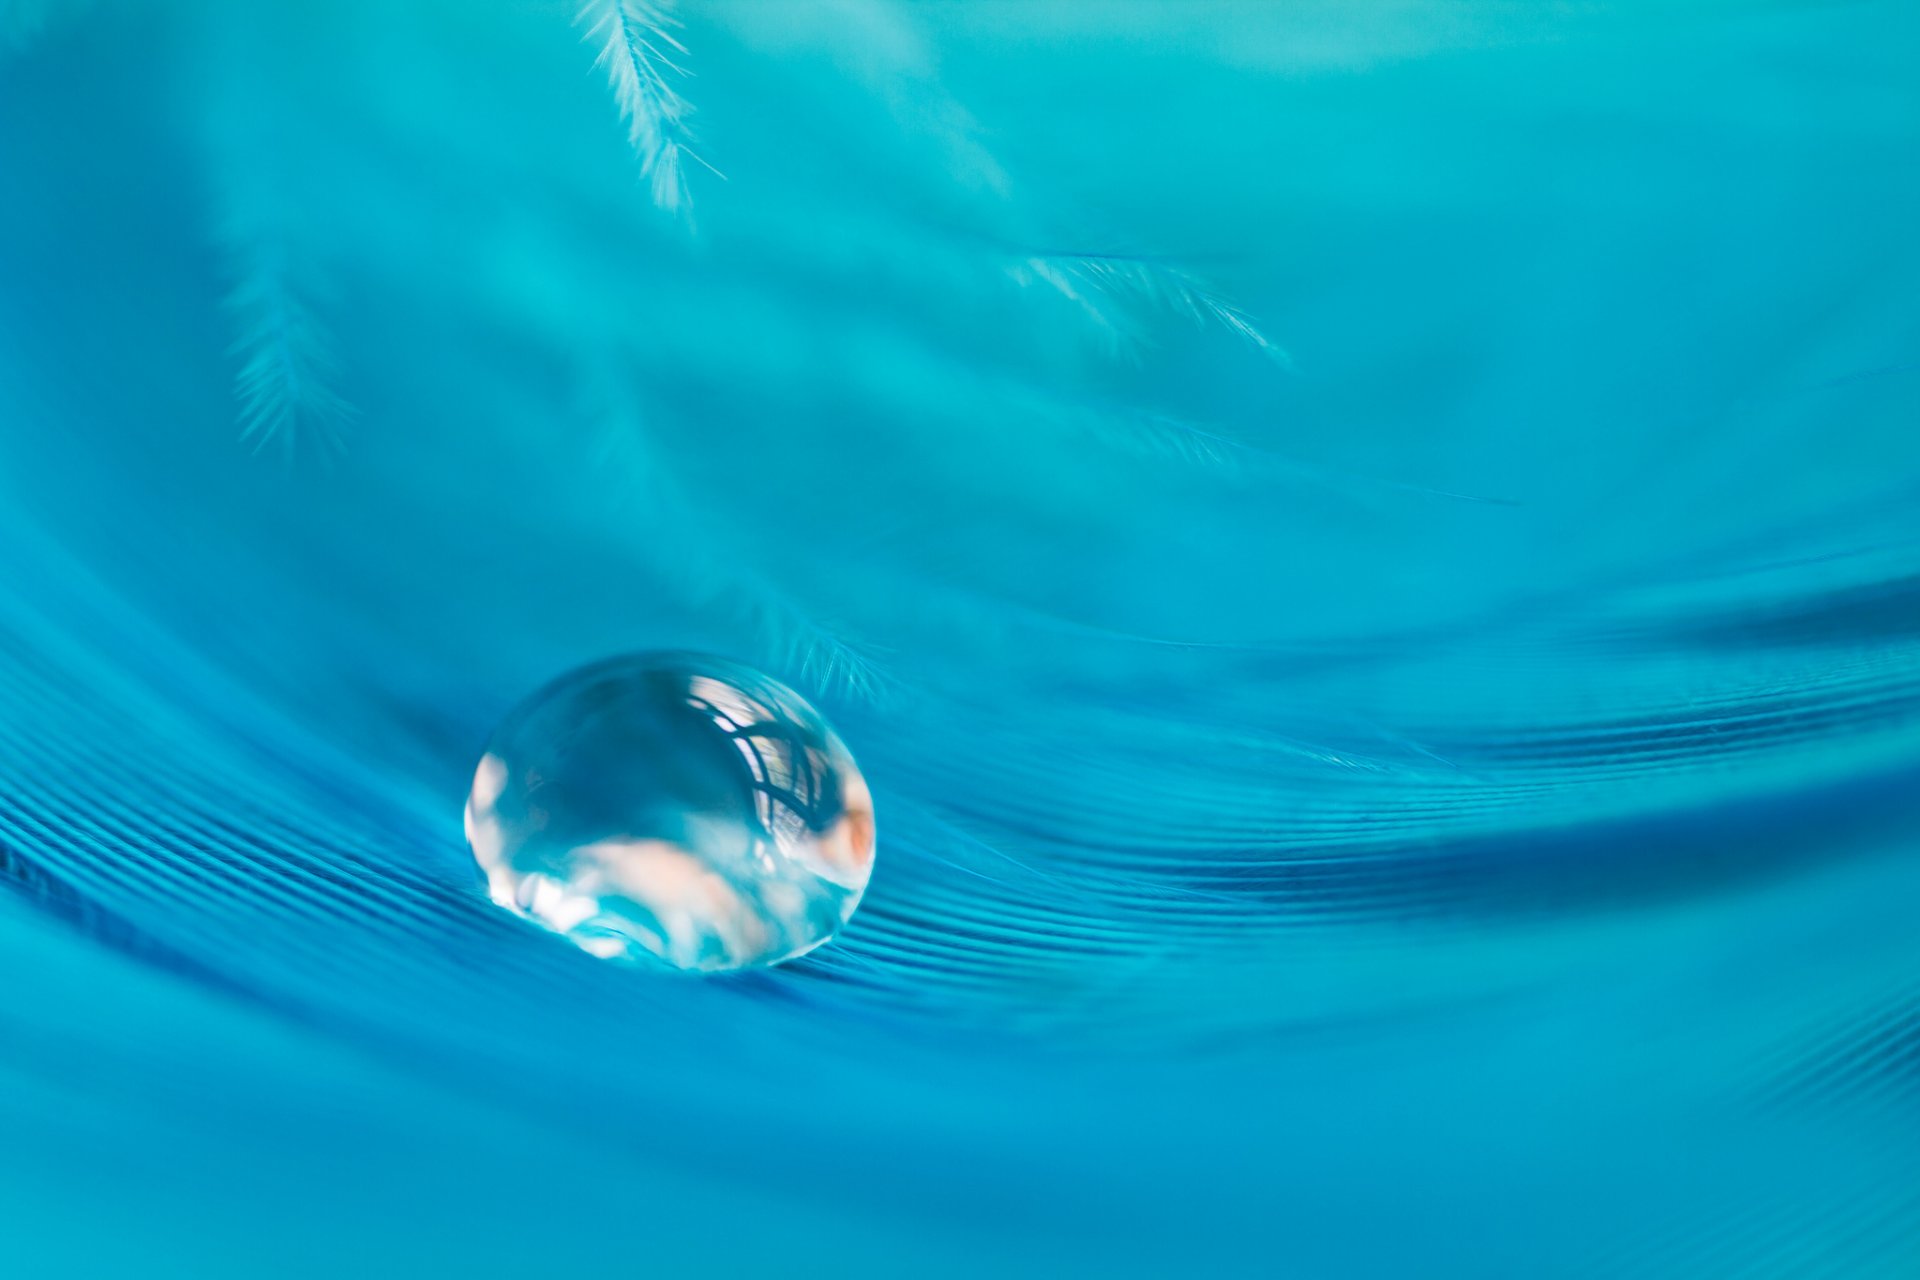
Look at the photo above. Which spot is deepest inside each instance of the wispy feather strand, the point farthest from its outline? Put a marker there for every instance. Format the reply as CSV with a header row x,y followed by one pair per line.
x,y
638,51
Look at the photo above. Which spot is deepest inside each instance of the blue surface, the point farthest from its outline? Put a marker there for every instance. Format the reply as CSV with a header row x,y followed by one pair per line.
x,y
1369,553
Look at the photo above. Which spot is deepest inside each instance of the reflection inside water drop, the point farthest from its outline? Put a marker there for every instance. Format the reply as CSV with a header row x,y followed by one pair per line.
x,y
673,806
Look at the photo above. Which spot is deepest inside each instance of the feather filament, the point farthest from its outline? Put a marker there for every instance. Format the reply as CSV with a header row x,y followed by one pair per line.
x,y
1109,286
287,362
638,51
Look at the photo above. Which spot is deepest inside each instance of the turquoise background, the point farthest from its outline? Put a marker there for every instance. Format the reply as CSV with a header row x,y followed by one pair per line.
x,y
1431,792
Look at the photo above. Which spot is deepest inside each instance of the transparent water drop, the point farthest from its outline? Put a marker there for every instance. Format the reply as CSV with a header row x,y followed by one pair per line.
x,y
673,807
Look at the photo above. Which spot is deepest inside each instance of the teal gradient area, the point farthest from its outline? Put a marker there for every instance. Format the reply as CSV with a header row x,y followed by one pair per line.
x,y
1368,553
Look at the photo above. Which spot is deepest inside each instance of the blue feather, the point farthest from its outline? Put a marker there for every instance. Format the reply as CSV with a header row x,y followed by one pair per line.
x,y
1424,782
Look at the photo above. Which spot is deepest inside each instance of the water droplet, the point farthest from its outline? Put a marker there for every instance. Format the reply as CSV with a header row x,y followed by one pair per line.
x,y
673,806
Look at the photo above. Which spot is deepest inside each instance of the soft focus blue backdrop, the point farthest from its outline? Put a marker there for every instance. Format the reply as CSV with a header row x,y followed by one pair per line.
x,y
1368,548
